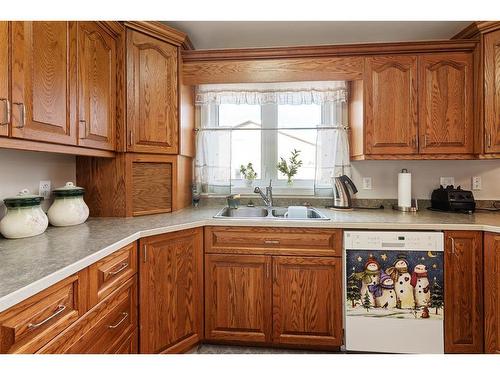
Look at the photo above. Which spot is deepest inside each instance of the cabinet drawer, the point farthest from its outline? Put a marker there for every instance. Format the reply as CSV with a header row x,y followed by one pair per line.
x,y
104,327
29,325
127,345
109,273
262,240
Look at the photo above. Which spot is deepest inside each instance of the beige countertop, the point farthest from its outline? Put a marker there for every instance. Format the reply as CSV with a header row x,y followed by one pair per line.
x,y
30,265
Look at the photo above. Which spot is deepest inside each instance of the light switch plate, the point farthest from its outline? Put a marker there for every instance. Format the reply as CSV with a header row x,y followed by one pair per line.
x,y
44,189
367,183
476,184
446,181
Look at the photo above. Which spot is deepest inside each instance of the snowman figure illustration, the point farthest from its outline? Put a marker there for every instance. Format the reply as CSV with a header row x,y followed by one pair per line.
x,y
404,290
369,277
420,283
387,298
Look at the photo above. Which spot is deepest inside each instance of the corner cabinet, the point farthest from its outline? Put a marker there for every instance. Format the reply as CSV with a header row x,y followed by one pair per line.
x,y
463,292
446,103
491,53
97,86
390,96
171,291
44,81
152,100
492,292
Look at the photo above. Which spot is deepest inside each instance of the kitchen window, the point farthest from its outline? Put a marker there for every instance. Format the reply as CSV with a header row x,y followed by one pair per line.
x,y
259,124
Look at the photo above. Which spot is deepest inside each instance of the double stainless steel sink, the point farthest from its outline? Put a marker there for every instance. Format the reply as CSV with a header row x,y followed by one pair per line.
x,y
266,213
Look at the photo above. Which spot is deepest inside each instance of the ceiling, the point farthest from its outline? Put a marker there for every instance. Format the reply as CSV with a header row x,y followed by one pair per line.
x,y
245,34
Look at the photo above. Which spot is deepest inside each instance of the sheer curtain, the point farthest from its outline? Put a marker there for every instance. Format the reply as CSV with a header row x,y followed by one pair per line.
x,y
213,148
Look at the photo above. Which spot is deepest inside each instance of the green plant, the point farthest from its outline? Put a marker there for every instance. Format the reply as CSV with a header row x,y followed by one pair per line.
x,y
290,168
248,172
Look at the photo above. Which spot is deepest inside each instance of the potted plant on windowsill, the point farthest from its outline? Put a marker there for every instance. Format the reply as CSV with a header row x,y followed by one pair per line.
x,y
290,168
248,173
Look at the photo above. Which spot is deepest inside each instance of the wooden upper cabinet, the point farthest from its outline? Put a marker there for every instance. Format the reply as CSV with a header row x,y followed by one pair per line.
x,y
390,94
491,43
446,103
238,297
307,301
44,81
171,290
152,101
96,86
492,292
463,292
4,79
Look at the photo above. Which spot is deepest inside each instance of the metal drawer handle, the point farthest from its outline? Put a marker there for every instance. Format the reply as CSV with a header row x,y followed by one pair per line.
x,y
22,114
125,315
272,241
7,111
122,267
60,309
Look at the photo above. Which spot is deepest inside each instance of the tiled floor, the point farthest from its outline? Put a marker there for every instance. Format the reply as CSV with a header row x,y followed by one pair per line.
x,y
227,349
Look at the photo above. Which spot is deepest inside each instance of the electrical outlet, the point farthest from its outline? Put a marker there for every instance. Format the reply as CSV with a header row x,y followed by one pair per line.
x,y
477,184
446,181
367,183
44,189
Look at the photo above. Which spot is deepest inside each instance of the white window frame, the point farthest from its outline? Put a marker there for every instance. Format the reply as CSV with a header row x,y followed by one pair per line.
x,y
269,153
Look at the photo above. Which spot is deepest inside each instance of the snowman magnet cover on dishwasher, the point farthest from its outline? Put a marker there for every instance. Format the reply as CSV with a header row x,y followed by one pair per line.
x,y
394,295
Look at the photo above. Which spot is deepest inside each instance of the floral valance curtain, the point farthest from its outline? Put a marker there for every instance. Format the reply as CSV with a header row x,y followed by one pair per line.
x,y
267,93
213,146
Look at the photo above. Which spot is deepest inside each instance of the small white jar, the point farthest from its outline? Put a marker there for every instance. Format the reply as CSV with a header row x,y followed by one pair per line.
x,y
24,217
68,208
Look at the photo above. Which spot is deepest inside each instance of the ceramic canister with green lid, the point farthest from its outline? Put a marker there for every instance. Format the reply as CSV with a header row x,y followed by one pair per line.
x,y
68,208
24,217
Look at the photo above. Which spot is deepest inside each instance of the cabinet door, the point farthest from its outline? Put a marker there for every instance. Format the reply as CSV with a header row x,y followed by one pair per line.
x,y
44,81
446,103
492,92
152,118
492,292
96,87
238,297
4,79
171,283
463,307
390,105
307,301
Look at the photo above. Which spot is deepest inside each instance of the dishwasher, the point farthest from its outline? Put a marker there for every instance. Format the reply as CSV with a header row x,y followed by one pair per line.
x,y
394,292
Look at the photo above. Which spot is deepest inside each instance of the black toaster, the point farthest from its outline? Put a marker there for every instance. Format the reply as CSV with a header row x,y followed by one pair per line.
x,y
453,199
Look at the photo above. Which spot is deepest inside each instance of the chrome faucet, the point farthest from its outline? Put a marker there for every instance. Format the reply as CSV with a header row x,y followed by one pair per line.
x,y
268,197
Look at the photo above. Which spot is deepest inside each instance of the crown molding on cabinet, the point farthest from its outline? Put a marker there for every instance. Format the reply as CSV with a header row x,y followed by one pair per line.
x,y
162,32
476,28
328,50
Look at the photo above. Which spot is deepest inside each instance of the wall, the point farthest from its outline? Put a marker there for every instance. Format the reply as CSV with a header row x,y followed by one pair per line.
x,y
25,169
425,176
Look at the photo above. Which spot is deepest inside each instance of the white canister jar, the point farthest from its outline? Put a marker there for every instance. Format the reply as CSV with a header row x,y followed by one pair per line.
x,y
24,217
68,208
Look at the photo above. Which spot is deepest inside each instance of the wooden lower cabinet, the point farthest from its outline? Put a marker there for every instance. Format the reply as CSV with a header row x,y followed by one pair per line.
x,y
492,292
104,329
29,325
463,292
307,301
171,291
279,300
238,297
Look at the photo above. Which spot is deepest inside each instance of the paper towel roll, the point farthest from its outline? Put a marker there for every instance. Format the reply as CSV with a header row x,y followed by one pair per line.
x,y
404,189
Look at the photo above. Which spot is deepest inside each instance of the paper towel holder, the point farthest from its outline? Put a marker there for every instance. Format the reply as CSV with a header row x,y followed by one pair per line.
x,y
413,202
